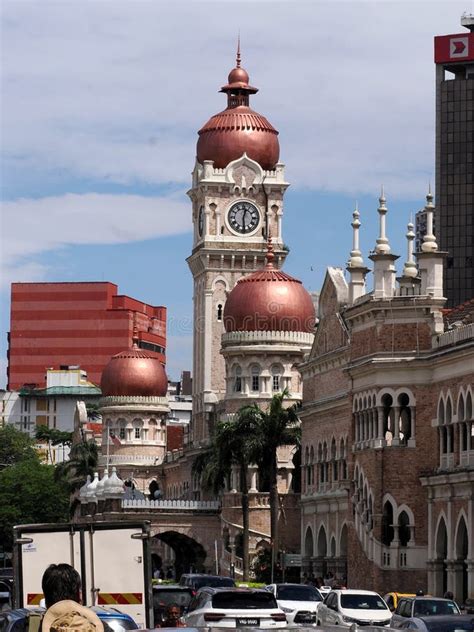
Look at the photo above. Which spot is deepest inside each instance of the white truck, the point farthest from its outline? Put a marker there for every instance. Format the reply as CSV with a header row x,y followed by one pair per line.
x,y
113,560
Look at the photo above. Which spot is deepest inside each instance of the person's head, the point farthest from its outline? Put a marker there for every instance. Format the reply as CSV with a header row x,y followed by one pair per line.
x,y
61,581
173,614
448,595
420,593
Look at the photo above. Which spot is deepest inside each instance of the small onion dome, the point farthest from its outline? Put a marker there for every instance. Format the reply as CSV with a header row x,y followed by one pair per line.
x,y
114,485
83,490
269,300
99,492
92,488
134,373
238,129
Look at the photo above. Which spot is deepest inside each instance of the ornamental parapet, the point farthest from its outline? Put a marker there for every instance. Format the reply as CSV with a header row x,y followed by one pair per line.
x,y
129,459
172,505
455,336
270,337
134,402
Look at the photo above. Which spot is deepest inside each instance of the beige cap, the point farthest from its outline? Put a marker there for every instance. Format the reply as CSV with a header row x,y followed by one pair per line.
x,y
69,615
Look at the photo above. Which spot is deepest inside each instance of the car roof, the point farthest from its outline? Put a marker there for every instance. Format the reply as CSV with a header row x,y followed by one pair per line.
x,y
103,613
447,618
353,591
225,589
170,587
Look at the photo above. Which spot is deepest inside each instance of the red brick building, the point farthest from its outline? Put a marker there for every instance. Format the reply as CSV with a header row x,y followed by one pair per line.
x,y
388,427
56,324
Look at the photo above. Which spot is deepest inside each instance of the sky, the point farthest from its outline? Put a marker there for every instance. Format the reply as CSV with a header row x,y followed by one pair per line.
x,y
102,100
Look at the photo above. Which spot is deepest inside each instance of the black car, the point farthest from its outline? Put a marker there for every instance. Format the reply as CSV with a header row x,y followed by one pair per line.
x,y
167,594
440,623
195,581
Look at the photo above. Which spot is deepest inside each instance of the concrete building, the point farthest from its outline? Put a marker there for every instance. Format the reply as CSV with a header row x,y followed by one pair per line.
x,y
387,426
454,58
83,324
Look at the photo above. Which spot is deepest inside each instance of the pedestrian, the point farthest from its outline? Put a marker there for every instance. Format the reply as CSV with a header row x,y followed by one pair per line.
x,y
61,585
448,595
172,617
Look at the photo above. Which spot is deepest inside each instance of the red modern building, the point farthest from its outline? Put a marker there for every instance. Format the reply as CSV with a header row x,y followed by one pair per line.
x,y
57,324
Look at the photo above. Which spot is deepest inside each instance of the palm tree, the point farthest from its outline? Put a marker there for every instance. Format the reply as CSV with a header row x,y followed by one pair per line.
x,y
229,446
277,426
83,460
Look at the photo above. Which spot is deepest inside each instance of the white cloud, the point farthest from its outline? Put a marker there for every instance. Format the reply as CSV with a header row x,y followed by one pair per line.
x,y
34,226
116,91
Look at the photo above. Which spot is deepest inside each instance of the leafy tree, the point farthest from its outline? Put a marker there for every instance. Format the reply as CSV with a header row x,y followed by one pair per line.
x,y
53,436
93,413
83,460
30,494
15,446
277,426
229,446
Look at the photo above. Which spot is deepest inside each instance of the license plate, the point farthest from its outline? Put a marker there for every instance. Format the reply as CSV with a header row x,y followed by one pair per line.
x,y
247,621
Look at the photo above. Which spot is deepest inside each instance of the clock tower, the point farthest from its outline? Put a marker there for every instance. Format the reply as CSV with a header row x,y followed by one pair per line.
x,y
238,185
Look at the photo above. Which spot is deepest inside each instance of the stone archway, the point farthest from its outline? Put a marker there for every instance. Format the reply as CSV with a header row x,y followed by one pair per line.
x,y
441,571
461,550
189,555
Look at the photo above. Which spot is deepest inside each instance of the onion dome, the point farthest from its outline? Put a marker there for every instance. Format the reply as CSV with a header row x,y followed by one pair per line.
x,y
91,488
134,373
83,490
238,129
114,486
99,492
269,300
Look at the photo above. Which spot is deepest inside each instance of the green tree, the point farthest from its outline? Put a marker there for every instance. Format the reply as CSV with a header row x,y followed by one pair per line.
x,y
277,426
83,460
228,447
53,436
29,494
15,446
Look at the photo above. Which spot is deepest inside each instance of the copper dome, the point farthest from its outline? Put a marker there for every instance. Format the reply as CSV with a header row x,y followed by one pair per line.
x,y
238,129
269,300
134,373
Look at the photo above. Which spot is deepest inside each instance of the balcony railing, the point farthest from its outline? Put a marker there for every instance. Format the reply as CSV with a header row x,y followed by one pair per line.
x,y
173,505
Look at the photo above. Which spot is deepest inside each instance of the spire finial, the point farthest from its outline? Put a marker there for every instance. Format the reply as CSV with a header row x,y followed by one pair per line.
x,y
429,240
270,256
238,51
409,269
382,246
355,260
135,332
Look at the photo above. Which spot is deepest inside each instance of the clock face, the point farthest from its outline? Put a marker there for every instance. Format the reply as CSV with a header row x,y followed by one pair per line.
x,y
243,217
201,221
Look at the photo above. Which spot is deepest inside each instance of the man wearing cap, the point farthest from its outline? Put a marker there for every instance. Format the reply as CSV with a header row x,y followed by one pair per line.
x,y
61,586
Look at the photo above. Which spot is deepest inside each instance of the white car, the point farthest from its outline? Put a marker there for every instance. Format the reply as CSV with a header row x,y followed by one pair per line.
x,y
345,607
299,602
234,608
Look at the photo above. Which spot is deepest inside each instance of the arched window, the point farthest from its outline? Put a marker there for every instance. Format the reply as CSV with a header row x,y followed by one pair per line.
x,y
404,533
387,523
276,378
219,312
255,374
237,379
461,408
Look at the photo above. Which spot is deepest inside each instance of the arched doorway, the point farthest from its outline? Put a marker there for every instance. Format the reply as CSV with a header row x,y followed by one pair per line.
x,y
322,551
189,555
343,554
462,546
441,581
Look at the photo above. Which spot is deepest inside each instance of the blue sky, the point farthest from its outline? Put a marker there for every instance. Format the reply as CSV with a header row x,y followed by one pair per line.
x,y
101,105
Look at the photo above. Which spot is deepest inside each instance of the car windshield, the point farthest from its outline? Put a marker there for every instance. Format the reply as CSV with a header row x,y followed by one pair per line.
x,y
118,624
162,598
298,593
363,602
243,601
427,607
214,582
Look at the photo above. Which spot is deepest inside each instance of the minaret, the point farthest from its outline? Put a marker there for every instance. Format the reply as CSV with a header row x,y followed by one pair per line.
x,y
430,259
384,268
409,281
355,265
237,200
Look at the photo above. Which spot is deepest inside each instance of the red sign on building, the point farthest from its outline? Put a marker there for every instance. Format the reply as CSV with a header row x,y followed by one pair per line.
x,y
454,48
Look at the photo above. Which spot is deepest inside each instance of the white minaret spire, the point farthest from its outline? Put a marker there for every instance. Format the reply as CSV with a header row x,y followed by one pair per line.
x,y
382,247
355,265
409,269
355,260
429,240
